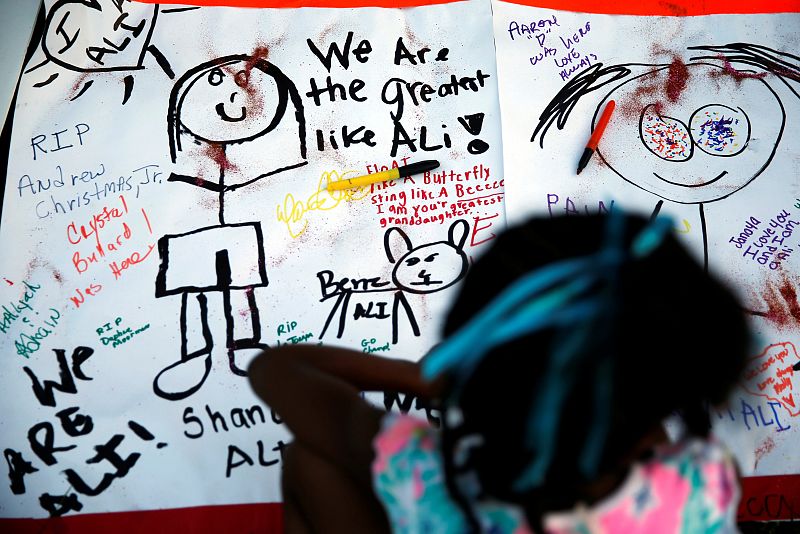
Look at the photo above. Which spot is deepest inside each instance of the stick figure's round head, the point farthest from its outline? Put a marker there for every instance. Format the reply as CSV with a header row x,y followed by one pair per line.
x,y
230,100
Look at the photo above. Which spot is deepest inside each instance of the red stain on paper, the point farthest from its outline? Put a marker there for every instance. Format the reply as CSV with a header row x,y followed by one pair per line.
x,y
677,76
765,448
216,152
783,306
738,75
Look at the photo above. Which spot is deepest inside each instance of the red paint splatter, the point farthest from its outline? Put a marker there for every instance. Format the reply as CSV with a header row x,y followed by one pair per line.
x,y
58,277
244,313
79,83
242,77
675,9
34,264
765,448
209,202
324,33
738,75
644,95
9,282
677,77
782,303
261,53
216,152
657,50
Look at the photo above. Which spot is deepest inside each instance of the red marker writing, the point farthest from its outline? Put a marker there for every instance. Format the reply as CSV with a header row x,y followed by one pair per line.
x,y
596,134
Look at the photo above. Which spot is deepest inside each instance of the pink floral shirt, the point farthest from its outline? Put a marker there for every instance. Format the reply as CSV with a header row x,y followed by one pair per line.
x,y
688,487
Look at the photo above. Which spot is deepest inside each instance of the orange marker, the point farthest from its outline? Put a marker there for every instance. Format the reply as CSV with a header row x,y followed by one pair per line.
x,y
596,134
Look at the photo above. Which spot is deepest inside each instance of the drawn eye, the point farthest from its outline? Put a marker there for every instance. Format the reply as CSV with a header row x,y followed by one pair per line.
x,y
242,78
431,257
412,261
720,130
667,138
215,77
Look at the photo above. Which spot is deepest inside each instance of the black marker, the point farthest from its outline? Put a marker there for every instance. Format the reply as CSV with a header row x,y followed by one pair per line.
x,y
384,176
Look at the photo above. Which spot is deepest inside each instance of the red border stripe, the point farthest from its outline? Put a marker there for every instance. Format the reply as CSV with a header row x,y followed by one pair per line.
x,y
770,498
667,7
264,518
301,3
620,7
763,499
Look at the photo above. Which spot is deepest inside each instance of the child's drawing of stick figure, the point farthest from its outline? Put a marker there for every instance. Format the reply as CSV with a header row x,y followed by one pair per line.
x,y
690,133
228,101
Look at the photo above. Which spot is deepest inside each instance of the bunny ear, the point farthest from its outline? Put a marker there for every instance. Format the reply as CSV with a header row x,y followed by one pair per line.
x,y
387,245
455,240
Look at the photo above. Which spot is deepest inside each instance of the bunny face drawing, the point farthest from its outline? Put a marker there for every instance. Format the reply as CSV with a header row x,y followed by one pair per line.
x,y
430,267
424,269
702,146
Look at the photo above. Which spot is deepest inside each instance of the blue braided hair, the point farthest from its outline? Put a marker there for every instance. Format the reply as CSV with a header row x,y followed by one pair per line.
x,y
568,308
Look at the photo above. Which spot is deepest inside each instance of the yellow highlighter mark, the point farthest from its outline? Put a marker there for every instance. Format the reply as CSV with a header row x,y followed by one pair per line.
x,y
293,211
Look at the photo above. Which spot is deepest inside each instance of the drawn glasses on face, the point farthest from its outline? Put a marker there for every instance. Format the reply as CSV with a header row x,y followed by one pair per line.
x,y
716,129
705,149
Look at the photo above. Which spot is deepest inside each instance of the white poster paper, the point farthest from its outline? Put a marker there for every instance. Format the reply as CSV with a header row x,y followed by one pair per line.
x,y
166,217
704,130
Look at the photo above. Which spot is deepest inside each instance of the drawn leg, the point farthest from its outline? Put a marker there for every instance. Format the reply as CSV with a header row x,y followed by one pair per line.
x,y
184,377
341,301
240,347
400,299
705,237
331,314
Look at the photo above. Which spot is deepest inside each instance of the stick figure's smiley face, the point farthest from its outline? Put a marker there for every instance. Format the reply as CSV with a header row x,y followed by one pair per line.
x,y
231,102
702,143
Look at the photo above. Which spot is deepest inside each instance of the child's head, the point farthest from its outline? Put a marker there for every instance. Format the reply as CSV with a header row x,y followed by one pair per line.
x,y
630,330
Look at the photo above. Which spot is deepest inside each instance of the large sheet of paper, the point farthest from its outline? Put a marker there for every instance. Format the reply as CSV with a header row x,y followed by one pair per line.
x,y
705,130
166,217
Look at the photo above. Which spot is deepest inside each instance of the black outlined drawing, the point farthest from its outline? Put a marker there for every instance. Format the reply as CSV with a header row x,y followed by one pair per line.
x,y
95,36
226,101
427,268
702,128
